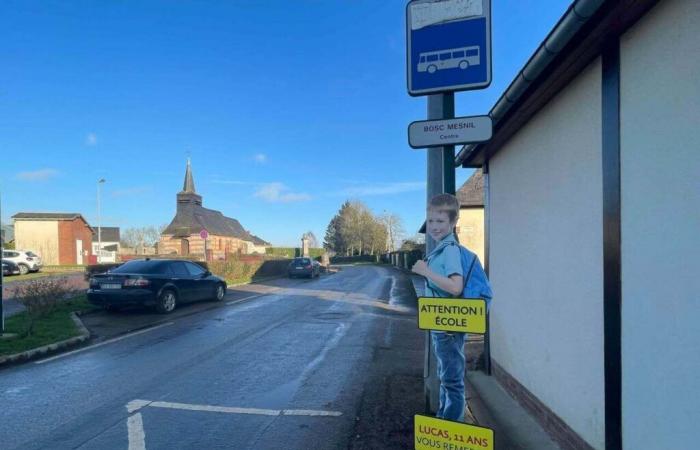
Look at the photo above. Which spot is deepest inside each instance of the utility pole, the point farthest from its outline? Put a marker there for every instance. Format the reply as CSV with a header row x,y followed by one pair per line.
x,y
2,282
99,222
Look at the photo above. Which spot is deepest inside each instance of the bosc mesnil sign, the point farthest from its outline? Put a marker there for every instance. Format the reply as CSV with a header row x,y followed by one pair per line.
x,y
460,130
449,45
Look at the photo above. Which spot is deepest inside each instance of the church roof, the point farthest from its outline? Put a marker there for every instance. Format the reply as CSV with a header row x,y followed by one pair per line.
x,y
472,191
191,217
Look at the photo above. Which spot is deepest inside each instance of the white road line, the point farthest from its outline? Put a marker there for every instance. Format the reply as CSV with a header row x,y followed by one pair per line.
x,y
310,412
137,436
109,341
237,410
244,298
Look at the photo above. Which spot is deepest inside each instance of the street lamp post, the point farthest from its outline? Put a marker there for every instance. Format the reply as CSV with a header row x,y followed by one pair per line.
x,y
99,222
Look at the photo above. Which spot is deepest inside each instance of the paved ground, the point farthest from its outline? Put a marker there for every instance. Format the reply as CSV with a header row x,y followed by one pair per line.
x,y
331,363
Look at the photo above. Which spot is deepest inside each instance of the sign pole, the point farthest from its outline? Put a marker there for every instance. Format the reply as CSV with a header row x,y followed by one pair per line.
x,y
2,282
441,179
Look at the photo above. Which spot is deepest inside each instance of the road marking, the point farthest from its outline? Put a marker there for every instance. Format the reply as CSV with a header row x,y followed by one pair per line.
x,y
244,298
238,410
309,412
136,405
262,294
109,341
137,435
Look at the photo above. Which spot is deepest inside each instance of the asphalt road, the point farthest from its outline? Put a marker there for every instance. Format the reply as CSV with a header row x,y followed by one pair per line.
x,y
295,364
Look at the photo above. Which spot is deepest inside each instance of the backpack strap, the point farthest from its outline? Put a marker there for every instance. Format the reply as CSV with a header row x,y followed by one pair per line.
x,y
469,272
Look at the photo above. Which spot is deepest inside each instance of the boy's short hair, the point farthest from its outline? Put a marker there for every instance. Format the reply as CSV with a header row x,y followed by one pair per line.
x,y
447,203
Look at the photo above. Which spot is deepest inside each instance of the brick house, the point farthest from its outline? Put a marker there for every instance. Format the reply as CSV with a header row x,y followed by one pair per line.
x,y
59,238
226,235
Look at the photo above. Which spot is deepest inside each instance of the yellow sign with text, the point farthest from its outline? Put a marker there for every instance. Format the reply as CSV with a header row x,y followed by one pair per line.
x,y
432,434
463,315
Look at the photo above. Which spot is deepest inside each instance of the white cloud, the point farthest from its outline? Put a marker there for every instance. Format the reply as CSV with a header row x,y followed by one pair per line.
x,y
368,189
37,175
279,193
260,158
91,139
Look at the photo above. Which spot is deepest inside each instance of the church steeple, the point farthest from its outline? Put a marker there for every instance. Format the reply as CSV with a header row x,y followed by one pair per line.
x,y
188,195
188,186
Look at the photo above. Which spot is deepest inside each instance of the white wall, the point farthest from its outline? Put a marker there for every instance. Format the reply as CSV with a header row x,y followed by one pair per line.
x,y
546,256
39,236
660,158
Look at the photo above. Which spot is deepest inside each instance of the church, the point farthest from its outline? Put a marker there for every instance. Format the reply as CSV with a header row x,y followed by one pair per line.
x,y
225,235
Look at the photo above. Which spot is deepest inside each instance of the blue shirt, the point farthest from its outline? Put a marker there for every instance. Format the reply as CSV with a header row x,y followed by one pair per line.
x,y
444,260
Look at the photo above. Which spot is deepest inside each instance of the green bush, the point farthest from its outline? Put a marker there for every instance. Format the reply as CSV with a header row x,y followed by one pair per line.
x,y
286,252
354,259
293,252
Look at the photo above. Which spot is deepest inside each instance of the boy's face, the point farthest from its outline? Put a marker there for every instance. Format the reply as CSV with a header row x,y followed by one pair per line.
x,y
439,224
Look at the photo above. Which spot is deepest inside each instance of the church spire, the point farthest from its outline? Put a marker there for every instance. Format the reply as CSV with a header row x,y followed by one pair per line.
x,y
188,195
188,186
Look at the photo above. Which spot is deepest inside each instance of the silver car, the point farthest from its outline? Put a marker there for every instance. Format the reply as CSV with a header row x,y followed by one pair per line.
x,y
26,260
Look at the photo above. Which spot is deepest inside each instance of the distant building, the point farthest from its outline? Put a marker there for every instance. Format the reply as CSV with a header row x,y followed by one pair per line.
x,y
109,237
226,235
7,234
470,226
59,238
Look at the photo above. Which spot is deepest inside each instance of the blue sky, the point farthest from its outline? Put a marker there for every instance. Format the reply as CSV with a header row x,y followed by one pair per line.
x,y
285,108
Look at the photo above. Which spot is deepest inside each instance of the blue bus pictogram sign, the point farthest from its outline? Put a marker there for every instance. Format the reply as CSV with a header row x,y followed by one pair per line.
x,y
449,45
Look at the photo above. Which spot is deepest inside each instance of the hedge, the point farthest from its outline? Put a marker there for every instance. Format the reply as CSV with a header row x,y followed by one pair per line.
x,y
354,259
293,252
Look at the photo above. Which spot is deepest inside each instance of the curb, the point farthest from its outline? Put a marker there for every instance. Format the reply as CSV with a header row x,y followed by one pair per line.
x,y
45,350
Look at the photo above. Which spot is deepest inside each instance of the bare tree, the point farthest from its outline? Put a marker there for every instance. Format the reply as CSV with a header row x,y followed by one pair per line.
x,y
311,237
139,238
394,228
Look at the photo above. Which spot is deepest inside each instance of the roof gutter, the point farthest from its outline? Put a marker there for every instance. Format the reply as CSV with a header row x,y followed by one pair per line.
x,y
571,22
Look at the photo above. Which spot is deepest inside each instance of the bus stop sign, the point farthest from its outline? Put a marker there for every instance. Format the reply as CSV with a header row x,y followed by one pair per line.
x,y
448,45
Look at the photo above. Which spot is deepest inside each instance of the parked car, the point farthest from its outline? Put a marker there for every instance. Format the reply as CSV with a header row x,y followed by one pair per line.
x,y
304,267
27,260
9,268
162,283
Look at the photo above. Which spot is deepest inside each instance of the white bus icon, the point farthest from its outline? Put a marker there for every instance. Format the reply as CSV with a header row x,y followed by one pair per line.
x,y
462,57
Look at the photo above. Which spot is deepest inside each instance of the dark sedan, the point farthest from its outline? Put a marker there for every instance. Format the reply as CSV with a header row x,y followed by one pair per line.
x,y
9,268
306,267
155,282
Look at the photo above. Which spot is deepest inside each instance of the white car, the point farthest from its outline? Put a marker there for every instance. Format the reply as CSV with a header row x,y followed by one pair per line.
x,y
26,260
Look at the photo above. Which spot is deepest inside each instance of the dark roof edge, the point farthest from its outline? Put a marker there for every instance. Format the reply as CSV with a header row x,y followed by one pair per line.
x,y
576,16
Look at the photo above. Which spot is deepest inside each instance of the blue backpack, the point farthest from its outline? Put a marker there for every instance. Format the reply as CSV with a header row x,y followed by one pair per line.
x,y
476,285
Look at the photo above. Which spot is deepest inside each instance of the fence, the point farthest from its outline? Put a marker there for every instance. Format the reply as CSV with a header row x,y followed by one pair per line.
x,y
403,259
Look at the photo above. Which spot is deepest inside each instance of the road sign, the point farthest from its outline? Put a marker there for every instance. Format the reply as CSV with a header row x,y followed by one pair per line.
x,y
431,433
438,133
204,233
448,45
463,315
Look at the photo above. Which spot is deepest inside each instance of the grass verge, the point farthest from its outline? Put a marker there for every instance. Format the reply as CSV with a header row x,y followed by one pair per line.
x,y
54,327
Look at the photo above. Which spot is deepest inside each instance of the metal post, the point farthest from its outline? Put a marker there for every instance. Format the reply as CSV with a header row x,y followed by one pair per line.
x,y
99,223
487,260
2,281
441,179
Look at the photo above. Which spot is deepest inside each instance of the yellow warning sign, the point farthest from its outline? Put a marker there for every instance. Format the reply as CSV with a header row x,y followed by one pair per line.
x,y
463,315
432,433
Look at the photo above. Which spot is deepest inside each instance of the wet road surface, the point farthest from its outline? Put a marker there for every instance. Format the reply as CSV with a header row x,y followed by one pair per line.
x,y
286,367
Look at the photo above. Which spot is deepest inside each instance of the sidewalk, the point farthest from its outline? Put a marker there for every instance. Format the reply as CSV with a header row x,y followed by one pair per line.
x,y
494,408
